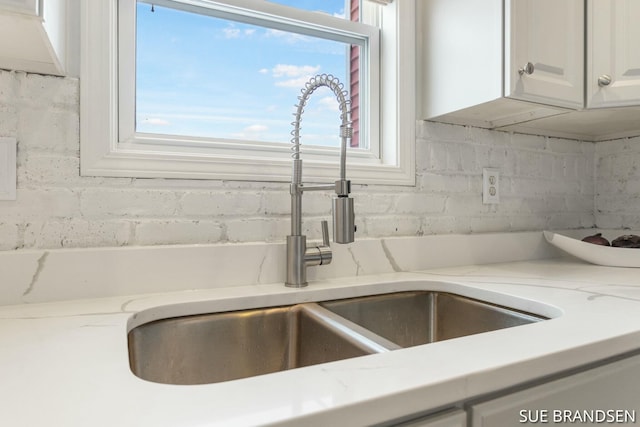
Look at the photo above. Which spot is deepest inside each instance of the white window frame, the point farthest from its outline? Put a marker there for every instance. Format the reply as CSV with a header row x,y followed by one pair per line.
x,y
261,14
108,147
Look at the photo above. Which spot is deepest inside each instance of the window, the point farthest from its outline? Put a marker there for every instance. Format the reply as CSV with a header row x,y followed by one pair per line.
x,y
201,74
150,110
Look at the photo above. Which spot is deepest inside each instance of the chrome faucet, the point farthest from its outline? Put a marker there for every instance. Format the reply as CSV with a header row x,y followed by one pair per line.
x,y
299,256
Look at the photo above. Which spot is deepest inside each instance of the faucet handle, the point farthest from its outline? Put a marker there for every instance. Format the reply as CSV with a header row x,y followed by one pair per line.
x,y
325,233
319,254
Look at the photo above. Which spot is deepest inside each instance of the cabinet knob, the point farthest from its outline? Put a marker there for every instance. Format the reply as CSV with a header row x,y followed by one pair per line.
x,y
604,80
527,69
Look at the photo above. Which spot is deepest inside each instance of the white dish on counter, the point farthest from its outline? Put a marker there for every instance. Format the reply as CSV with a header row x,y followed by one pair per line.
x,y
595,254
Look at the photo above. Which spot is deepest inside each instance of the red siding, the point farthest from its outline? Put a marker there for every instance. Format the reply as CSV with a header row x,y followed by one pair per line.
x,y
354,71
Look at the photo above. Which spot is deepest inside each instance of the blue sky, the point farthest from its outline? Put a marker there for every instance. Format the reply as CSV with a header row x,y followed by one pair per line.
x,y
203,76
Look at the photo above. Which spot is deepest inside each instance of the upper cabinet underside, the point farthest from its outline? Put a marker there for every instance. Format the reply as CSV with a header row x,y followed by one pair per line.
x,y
565,68
33,36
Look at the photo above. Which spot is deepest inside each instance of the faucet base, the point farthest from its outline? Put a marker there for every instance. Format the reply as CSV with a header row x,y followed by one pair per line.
x,y
296,268
291,285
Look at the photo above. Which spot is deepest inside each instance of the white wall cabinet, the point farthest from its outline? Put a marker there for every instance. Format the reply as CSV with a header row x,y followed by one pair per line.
x,y
613,67
30,7
520,65
470,69
544,54
33,36
612,387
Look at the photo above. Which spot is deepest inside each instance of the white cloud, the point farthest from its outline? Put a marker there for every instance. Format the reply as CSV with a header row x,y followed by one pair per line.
x,y
263,71
287,37
287,70
329,103
255,131
256,128
155,121
295,76
231,33
297,83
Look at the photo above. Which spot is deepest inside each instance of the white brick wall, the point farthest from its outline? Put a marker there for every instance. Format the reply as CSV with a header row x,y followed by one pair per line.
x,y
545,183
618,184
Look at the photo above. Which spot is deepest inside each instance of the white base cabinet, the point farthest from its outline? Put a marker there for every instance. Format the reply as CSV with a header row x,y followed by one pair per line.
x,y
452,418
609,394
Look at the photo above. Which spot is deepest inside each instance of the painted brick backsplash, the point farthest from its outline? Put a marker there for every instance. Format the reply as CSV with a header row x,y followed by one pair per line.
x,y
544,183
618,184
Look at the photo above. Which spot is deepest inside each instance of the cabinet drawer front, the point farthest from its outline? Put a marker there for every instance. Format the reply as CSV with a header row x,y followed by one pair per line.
x,y
452,418
597,393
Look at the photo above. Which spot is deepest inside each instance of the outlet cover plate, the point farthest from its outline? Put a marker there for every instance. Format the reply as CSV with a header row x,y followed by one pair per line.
x,y
490,186
8,150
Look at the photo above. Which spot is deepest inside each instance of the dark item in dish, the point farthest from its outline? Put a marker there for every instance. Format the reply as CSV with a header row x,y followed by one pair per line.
x,y
596,239
626,241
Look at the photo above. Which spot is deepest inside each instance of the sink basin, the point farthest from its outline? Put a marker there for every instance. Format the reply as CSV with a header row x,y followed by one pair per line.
x,y
218,347
414,318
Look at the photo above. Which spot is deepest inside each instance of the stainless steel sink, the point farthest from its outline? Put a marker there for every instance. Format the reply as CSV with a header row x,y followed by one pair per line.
x,y
415,318
220,347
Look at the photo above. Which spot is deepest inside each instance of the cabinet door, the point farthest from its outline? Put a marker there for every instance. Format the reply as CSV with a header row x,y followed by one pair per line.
x,y
452,418
613,67
548,35
23,6
611,389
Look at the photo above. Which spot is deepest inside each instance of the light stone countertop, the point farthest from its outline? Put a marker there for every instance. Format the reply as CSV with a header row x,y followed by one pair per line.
x,y
66,363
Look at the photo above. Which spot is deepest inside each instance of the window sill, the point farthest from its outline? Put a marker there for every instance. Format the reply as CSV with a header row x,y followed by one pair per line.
x,y
133,160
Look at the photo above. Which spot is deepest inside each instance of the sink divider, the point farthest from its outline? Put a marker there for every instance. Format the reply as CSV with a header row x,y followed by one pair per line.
x,y
361,337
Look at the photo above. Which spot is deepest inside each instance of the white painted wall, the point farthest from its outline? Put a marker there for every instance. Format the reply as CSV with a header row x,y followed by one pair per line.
x,y
545,183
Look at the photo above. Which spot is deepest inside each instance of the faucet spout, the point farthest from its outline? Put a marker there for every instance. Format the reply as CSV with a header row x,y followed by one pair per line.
x,y
346,130
298,255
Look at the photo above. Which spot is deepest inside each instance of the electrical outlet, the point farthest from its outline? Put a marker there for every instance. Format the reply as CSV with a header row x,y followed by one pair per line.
x,y
490,186
8,168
